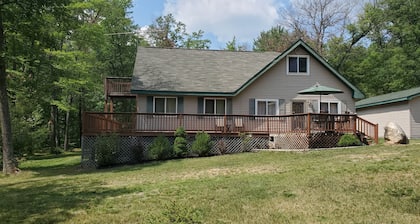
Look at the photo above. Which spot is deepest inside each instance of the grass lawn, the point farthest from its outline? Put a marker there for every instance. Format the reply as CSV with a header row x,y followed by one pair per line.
x,y
375,184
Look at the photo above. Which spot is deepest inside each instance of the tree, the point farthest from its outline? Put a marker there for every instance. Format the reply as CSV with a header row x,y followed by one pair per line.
x,y
275,39
389,60
233,46
318,20
9,163
24,22
167,32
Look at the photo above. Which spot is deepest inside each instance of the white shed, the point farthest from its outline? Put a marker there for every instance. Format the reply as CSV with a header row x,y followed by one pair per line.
x,y
401,107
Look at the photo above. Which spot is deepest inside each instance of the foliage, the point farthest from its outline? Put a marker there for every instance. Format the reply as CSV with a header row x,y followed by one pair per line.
x,y
234,46
106,148
348,140
167,32
276,39
139,153
160,149
180,143
202,144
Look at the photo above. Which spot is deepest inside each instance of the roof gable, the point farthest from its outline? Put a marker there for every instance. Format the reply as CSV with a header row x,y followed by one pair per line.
x,y
162,71
388,98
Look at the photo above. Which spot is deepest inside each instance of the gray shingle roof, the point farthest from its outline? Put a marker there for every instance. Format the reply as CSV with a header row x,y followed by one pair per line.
x,y
389,98
195,71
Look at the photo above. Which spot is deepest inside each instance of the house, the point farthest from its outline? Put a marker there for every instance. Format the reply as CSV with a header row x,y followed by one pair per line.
x,y
401,107
229,94
240,83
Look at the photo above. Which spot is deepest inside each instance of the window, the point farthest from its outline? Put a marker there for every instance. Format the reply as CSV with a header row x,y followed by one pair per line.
x,y
329,107
214,106
165,105
298,65
266,107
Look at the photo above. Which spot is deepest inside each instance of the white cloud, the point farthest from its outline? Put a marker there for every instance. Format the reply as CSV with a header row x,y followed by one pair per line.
x,y
225,19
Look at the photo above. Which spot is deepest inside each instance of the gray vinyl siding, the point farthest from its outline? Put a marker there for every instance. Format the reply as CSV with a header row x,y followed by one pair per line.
x,y
276,84
381,115
415,117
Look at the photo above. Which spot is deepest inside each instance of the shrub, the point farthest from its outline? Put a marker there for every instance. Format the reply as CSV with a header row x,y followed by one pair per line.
x,y
160,149
202,144
348,140
180,143
106,148
138,152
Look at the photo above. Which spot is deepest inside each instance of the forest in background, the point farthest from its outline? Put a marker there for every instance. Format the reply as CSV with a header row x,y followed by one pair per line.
x,y
55,54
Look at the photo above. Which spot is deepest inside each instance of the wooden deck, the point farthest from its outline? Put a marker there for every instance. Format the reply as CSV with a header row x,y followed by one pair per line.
x,y
118,87
155,124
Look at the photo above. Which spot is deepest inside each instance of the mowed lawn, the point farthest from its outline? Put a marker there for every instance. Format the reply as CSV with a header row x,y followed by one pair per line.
x,y
375,184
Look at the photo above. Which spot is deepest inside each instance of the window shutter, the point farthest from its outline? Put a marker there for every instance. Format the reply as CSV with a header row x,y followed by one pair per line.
x,y
229,106
252,106
282,106
200,105
180,105
149,104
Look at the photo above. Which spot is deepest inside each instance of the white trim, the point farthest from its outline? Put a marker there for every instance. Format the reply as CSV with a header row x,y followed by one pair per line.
x,y
165,103
298,73
266,109
215,107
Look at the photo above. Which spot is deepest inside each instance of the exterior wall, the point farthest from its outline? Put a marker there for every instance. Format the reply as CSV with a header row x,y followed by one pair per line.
x,y
381,115
276,84
415,117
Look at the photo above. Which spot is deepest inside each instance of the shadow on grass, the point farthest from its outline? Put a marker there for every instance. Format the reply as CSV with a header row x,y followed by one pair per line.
x,y
52,202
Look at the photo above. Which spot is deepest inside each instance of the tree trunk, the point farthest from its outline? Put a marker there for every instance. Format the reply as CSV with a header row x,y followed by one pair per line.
x,y
9,162
66,129
54,126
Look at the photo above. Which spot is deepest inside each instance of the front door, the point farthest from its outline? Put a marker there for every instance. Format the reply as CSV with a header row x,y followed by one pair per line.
x,y
298,121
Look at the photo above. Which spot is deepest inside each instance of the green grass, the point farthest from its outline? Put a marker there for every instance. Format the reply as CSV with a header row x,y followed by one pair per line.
x,y
376,184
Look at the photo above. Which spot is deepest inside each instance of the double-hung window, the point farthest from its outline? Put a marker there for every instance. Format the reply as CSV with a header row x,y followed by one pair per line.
x,y
266,107
166,105
214,106
330,107
298,65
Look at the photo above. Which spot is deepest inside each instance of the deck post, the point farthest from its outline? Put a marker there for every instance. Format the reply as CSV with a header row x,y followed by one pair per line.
x,y
308,121
376,134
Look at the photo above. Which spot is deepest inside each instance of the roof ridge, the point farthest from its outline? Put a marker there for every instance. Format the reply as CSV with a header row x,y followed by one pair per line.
x,y
207,50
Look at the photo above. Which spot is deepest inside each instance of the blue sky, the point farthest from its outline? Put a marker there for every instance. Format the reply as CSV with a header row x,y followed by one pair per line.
x,y
221,20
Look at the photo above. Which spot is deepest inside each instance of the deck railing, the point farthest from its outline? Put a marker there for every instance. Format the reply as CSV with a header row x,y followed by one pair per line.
x,y
117,86
148,123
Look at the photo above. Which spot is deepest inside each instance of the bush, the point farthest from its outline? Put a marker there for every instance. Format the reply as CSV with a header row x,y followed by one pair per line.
x,y
202,144
180,143
348,140
160,149
106,148
138,152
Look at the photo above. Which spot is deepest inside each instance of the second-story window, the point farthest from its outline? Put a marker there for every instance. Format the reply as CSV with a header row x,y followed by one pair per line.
x,y
298,65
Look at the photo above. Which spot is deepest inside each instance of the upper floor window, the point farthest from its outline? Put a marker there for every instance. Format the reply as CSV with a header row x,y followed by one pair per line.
x,y
165,105
214,106
298,65
266,107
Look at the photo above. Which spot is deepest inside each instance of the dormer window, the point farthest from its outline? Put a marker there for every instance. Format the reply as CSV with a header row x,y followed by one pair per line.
x,y
298,65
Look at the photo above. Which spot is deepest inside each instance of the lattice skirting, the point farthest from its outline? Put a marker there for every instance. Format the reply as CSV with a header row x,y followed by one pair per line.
x,y
131,149
301,141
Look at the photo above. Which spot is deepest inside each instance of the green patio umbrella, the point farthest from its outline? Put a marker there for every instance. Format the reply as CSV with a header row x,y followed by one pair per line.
x,y
320,90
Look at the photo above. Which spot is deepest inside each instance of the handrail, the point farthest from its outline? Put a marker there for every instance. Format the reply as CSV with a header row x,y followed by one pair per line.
x,y
138,123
